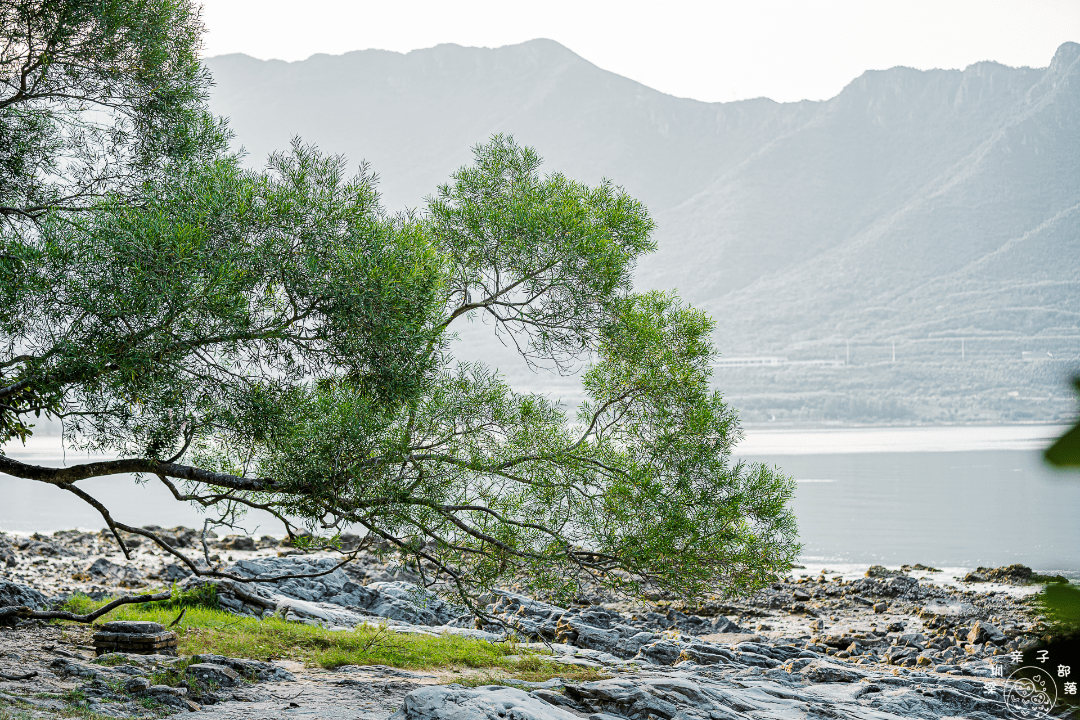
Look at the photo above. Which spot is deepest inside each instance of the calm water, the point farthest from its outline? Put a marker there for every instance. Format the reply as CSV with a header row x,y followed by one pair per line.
x,y
948,497
951,497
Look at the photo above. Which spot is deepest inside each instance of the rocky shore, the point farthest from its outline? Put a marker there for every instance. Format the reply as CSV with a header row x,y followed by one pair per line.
x,y
904,642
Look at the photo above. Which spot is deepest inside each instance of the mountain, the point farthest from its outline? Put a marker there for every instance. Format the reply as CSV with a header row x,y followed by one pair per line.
x,y
933,216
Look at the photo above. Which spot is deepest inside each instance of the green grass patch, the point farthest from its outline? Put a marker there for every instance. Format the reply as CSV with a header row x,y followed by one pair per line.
x,y
206,630
201,597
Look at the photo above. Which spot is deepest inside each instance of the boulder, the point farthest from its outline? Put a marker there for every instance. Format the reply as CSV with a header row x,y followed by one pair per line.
x,y
332,597
15,594
880,571
948,608
174,572
136,685
177,537
822,671
982,632
105,571
660,652
248,669
237,542
7,555
212,674
1013,574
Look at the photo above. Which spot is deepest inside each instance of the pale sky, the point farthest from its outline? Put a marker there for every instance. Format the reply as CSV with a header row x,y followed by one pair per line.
x,y
715,51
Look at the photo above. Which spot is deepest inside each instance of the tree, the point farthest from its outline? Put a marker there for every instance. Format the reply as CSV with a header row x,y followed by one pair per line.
x,y
96,96
275,340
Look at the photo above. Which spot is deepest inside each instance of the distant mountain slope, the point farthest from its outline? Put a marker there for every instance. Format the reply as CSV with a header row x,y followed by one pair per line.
x,y
914,210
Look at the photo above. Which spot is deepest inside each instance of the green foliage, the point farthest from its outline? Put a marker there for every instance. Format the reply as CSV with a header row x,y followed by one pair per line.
x,y
1066,451
97,95
292,340
276,340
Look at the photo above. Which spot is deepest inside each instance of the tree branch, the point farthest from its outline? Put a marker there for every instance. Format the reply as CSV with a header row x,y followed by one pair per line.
x,y
75,473
22,611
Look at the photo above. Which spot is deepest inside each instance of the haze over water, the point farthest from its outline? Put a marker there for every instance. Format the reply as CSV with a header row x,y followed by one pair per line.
x,y
950,497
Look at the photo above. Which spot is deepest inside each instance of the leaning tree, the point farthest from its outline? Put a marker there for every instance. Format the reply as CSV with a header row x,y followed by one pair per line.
x,y
275,340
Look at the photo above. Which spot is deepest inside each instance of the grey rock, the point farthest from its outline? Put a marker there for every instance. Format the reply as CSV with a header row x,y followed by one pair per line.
x,y
104,570
593,628
174,572
249,669
132,627
132,663
177,537
64,666
136,685
552,698
15,594
40,545
722,624
660,652
167,691
982,632
753,659
605,716
213,674
402,601
453,702
237,542
705,653
399,601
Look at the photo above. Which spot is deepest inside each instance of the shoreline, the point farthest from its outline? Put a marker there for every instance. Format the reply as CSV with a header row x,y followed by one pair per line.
x,y
810,633
949,576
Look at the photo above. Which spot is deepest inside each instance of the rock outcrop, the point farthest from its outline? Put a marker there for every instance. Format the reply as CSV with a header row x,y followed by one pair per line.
x,y
820,689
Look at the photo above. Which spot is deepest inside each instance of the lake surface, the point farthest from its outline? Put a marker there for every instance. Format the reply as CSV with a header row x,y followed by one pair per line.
x,y
956,497
953,498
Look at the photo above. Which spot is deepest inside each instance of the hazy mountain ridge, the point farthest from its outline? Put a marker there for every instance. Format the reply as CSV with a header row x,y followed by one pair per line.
x,y
996,199
913,206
